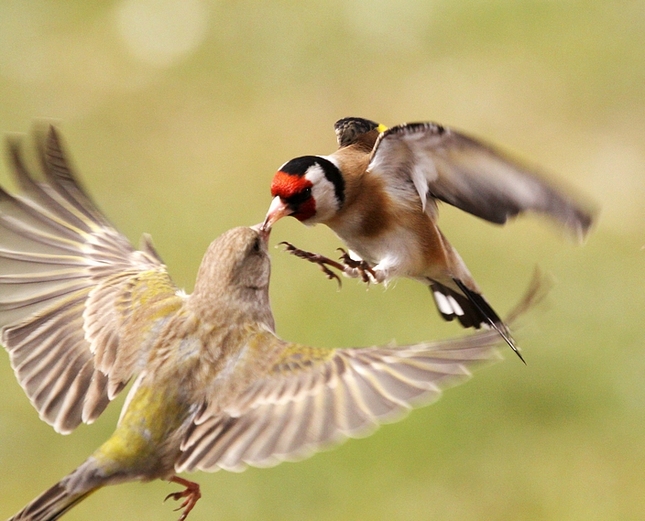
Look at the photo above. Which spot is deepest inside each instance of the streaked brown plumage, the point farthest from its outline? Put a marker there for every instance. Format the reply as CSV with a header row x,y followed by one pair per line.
x,y
82,313
379,192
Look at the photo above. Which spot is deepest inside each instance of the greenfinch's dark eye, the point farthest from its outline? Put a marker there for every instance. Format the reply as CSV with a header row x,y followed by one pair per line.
x,y
256,245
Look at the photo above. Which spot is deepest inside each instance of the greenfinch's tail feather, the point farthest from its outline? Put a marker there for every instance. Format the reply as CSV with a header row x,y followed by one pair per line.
x,y
51,504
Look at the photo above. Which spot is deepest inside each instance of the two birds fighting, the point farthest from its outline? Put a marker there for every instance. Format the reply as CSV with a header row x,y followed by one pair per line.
x,y
82,312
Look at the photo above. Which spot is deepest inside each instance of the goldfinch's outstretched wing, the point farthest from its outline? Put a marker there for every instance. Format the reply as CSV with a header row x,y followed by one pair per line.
x,y
314,398
446,165
70,286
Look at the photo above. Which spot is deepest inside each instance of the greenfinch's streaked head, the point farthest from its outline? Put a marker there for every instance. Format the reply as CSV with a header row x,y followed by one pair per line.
x,y
235,272
252,268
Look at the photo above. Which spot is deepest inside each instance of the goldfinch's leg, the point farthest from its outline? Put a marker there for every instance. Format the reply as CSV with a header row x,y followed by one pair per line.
x,y
191,493
350,267
355,268
318,259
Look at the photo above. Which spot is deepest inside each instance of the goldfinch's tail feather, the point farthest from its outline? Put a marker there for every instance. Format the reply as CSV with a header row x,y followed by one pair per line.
x,y
471,309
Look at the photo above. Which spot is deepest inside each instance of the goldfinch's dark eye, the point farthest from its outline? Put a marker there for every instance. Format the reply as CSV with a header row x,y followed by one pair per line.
x,y
300,197
256,245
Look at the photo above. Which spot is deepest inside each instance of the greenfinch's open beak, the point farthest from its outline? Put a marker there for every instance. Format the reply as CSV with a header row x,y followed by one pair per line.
x,y
263,231
277,210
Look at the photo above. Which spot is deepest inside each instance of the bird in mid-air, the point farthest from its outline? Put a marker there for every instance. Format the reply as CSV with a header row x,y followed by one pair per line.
x,y
82,313
379,192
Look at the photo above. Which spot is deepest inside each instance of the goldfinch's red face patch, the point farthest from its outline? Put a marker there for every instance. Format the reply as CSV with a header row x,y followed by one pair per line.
x,y
295,191
288,185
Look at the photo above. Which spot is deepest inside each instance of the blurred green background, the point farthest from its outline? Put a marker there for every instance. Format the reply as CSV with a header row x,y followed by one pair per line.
x,y
177,113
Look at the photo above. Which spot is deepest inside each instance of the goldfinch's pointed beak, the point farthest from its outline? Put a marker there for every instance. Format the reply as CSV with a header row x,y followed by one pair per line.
x,y
277,210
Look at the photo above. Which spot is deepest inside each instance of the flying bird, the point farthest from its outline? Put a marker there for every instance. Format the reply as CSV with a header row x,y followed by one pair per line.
x,y
379,192
82,312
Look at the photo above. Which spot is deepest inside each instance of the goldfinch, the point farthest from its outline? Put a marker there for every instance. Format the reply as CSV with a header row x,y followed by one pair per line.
x,y
82,312
379,192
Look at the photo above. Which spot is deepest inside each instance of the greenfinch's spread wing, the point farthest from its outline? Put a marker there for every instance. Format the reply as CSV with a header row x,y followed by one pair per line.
x,y
435,162
71,289
313,398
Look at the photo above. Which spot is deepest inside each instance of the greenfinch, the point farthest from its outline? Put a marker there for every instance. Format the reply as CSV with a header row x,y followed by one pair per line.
x,y
82,313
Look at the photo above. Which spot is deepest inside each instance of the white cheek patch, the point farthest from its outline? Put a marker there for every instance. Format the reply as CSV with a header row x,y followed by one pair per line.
x,y
323,192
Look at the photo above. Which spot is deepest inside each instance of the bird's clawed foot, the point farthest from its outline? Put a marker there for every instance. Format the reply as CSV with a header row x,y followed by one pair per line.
x,y
191,493
318,259
357,267
350,267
